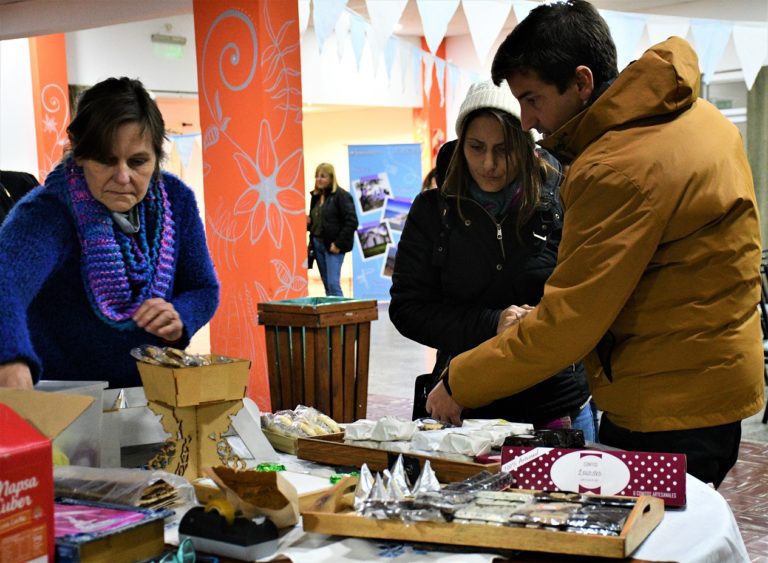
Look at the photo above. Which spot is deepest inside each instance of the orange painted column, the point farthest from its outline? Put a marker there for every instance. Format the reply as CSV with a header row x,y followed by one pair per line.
x,y
50,93
249,88
429,123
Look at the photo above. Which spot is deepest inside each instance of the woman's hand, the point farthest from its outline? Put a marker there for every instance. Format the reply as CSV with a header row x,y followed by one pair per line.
x,y
511,316
158,317
441,406
15,374
334,249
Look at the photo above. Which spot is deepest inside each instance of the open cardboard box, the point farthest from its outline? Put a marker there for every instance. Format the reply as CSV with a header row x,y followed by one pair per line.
x,y
195,405
30,420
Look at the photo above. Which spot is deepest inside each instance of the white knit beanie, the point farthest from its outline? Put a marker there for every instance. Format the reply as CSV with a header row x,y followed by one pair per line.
x,y
487,95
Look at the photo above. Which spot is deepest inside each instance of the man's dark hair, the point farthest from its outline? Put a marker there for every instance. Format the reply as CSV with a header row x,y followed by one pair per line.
x,y
103,108
553,40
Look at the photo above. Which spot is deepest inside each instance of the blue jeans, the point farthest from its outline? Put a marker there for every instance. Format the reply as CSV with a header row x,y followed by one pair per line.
x,y
585,422
329,265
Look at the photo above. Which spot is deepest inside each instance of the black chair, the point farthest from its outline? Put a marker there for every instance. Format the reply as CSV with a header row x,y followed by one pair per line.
x,y
764,320
13,186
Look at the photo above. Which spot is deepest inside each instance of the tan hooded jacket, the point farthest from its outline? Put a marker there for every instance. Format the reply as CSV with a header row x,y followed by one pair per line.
x,y
657,281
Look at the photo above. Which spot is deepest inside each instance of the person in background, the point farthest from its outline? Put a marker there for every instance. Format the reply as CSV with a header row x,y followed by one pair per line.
x,y
657,280
331,223
108,254
474,256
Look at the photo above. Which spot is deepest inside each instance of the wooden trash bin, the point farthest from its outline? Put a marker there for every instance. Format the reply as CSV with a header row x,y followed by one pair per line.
x,y
317,353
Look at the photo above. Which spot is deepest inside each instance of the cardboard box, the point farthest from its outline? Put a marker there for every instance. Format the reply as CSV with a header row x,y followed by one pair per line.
x,y
29,421
190,386
601,472
195,405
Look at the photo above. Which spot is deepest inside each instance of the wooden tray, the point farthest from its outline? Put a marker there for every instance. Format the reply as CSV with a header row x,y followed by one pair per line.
x,y
332,515
332,450
289,444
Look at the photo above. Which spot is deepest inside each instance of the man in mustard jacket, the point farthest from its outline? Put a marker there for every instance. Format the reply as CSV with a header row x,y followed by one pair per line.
x,y
657,281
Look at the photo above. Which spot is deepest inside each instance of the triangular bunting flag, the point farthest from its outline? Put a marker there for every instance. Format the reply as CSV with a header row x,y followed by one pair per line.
x,y
303,16
751,42
416,75
325,15
185,145
357,36
405,53
485,18
440,70
390,52
452,73
523,8
429,61
660,28
626,30
710,38
435,15
384,15
341,30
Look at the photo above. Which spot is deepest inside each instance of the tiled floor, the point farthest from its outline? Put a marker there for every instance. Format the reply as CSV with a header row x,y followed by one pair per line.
x,y
395,361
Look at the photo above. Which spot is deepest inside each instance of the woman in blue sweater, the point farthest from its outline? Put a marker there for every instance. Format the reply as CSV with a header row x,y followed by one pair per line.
x,y
109,254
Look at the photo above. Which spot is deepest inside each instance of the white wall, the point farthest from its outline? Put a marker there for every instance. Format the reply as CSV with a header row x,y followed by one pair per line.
x,y
18,144
127,50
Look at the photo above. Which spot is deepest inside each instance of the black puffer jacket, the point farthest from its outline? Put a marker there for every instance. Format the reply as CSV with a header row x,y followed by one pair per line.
x,y
339,219
453,277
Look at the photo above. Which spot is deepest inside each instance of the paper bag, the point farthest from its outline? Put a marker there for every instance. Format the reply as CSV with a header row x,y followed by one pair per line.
x,y
254,493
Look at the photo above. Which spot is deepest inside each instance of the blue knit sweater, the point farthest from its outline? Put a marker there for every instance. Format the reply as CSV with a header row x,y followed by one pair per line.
x,y
46,319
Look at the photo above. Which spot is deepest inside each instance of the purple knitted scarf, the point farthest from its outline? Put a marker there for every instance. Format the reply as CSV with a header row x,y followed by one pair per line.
x,y
122,271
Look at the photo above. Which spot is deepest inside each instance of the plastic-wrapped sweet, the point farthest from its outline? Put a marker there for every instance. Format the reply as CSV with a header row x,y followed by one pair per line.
x,y
364,487
429,440
173,357
359,430
400,478
391,428
427,481
470,443
302,421
511,428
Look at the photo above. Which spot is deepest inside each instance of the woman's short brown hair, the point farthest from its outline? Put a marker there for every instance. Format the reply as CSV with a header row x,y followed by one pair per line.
x,y
106,106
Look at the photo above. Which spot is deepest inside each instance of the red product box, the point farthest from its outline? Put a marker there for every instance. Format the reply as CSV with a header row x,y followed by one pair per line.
x,y
602,472
29,420
26,491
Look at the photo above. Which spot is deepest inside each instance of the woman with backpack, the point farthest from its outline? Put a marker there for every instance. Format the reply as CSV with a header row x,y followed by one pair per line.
x,y
475,253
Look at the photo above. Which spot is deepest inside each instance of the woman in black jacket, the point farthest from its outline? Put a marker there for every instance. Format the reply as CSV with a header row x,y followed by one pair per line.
x,y
474,255
331,223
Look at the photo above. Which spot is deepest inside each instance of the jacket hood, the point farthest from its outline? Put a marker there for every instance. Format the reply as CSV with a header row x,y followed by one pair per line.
x,y
664,80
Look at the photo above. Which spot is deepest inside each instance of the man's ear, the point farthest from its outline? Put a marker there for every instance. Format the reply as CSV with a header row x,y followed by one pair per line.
x,y
585,82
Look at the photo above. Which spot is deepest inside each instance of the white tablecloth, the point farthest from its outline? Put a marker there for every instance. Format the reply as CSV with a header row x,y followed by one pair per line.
x,y
703,532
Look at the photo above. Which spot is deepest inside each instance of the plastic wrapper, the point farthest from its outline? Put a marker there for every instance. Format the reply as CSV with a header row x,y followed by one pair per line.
x,y
364,487
400,478
300,422
427,481
134,487
173,357
359,430
470,443
391,428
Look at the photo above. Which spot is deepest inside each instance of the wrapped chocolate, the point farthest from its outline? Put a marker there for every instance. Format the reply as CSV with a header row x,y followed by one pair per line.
x,y
470,443
399,479
359,430
391,428
427,481
364,487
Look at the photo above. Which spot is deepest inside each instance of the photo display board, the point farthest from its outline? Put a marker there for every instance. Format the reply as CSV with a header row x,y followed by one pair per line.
x,y
383,179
